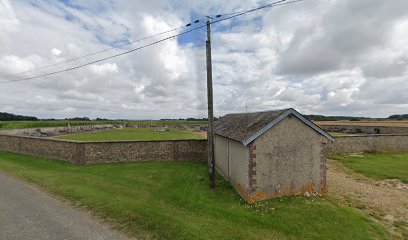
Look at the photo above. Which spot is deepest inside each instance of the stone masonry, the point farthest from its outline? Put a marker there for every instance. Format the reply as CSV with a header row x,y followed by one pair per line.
x,y
106,152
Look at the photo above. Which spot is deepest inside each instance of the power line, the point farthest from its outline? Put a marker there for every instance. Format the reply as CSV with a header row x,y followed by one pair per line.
x,y
103,59
101,51
236,14
154,43
258,8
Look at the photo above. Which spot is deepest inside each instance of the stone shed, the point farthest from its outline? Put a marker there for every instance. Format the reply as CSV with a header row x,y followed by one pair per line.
x,y
270,154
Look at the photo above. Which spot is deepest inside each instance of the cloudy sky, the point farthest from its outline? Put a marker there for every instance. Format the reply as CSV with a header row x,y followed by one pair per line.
x,y
333,57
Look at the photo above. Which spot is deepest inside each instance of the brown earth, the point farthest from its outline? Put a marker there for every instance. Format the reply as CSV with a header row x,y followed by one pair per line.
x,y
364,123
386,200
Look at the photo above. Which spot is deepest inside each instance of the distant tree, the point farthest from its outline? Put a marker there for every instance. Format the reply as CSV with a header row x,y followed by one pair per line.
x,y
101,119
12,117
398,117
78,119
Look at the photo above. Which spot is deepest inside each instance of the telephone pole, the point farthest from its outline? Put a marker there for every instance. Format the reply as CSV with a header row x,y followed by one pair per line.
x,y
210,132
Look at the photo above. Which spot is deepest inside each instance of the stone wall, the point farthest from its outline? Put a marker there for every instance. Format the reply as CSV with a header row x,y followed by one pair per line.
x,y
191,126
41,147
130,151
365,129
364,143
104,152
52,131
180,150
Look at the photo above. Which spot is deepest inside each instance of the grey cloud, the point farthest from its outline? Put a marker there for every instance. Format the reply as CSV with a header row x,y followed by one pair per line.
x,y
341,36
325,57
385,68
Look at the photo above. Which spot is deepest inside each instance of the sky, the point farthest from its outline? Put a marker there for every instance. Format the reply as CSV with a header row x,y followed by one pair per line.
x,y
331,57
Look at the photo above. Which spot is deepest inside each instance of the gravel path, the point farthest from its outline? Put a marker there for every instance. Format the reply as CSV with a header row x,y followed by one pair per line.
x,y
387,199
27,213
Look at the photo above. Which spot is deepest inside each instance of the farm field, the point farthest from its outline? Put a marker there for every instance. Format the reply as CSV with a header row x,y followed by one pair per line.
x,y
171,200
379,166
133,134
41,124
364,123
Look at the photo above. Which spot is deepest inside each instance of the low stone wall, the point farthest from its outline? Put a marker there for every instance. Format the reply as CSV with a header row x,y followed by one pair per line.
x,y
365,143
179,150
365,129
41,147
54,130
106,152
191,126
175,150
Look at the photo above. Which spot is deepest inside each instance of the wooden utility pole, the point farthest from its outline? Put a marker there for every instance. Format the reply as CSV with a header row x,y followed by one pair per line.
x,y
210,132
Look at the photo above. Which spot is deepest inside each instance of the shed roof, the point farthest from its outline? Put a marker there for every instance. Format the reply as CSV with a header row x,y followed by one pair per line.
x,y
246,127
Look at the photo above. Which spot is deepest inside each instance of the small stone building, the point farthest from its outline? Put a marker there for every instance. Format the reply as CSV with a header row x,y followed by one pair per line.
x,y
270,154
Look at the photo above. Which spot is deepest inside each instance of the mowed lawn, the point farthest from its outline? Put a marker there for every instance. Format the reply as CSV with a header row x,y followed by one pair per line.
x,y
377,165
133,134
171,200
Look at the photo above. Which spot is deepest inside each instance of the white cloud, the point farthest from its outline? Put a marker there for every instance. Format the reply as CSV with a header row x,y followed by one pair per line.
x,y
8,20
56,52
325,57
11,64
104,69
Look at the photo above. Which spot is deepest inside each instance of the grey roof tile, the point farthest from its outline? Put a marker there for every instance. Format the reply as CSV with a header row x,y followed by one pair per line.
x,y
245,127
241,126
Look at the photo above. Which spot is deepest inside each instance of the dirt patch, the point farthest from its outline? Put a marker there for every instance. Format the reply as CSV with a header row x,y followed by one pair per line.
x,y
393,183
386,200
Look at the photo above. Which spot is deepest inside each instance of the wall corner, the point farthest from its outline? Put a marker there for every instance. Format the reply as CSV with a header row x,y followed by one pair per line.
x,y
252,169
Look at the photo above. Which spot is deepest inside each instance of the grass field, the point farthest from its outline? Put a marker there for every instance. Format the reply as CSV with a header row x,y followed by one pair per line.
x,y
41,124
132,134
377,165
171,200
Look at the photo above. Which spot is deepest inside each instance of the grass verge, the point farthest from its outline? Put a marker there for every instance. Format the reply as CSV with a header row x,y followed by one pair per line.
x,y
132,134
377,165
337,134
171,200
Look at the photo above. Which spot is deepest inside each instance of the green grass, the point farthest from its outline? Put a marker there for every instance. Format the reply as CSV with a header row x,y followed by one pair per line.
x,y
171,200
377,165
132,134
63,123
337,134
